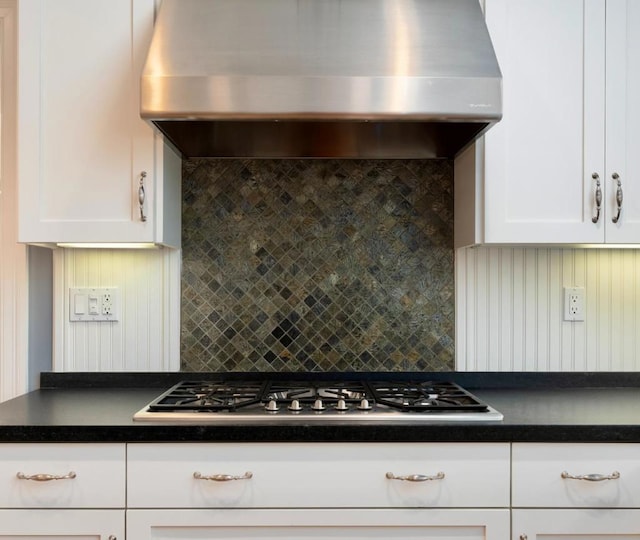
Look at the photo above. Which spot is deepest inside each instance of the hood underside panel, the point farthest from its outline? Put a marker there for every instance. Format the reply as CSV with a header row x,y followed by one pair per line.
x,y
295,139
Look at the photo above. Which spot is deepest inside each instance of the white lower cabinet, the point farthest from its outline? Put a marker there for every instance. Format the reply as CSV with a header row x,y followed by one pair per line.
x,y
575,491
320,491
62,491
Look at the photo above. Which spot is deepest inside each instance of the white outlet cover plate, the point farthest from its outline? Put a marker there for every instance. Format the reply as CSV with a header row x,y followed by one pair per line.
x,y
574,304
80,306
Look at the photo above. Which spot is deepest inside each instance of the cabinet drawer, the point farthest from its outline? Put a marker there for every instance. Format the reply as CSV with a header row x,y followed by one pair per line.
x,y
38,524
98,479
538,475
307,475
585,524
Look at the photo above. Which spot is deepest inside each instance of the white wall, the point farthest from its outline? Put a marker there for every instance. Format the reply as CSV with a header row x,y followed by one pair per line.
x,y
13,256
509,309
147,336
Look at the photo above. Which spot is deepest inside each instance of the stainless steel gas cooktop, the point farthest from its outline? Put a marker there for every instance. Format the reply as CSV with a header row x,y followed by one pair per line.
x,y
296,401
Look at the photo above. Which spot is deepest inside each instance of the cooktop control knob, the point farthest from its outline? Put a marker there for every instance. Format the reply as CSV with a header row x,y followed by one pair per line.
x,y
341,406
294,406
272,406
364,405
318,405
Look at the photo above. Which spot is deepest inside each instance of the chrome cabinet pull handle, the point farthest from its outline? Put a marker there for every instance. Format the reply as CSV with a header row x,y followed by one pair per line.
x,y
591,477
523,537
141,196
598,197
223,477
45,477
415,477
615,176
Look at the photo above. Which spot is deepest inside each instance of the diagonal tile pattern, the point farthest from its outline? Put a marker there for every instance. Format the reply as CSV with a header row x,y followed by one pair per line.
x,y
317,265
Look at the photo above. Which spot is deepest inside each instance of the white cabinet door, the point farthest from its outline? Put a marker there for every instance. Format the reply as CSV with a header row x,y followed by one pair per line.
x,y
299,524
576,525
83,148
570,130
623,120
540,158
62,524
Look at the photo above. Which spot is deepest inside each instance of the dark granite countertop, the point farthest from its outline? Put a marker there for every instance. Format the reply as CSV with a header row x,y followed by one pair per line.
x,y
537,407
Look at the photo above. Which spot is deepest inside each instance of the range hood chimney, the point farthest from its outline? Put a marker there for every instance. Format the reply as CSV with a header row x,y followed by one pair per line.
x,y
321,78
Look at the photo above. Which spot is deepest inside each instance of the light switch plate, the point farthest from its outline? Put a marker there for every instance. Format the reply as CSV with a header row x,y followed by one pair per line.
x,y
93,304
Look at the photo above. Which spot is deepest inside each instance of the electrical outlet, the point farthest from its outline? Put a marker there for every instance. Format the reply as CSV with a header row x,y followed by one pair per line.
x,y
107,303
93,304
574,303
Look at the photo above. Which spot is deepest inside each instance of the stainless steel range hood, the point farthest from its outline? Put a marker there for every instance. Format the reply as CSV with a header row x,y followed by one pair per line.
x,y
321,78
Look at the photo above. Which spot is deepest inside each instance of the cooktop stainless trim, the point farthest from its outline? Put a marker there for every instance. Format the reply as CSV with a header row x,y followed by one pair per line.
x,y
308,417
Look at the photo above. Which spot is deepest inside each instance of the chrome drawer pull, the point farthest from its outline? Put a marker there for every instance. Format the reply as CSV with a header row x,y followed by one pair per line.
x,y
45,477
598,198
223,477
142,196
415,477
591,477
616,177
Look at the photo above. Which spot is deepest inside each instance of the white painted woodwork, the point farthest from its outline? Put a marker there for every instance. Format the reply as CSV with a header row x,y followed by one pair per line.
x,y
571,74
509,309
576,524
82,145
99,482
147,335
319,524
530,179
299,475
552,132
58,524
537,481
623,118
13,256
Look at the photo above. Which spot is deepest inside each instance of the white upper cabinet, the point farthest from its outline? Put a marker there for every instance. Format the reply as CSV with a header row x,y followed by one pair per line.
x,y
623,120
571,71
83,150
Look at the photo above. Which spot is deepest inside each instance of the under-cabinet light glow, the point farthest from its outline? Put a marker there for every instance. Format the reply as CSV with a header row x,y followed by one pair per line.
x,y
108,245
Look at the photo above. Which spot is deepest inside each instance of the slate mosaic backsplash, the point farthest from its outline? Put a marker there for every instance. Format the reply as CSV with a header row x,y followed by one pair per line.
x,y
317,265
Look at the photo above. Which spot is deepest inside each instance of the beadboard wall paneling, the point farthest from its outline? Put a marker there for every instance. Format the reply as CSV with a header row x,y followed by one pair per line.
x,y
510,309
146,336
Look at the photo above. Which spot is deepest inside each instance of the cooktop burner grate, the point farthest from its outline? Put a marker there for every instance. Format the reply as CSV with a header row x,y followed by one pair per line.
x,y
209,396
426,396
276,401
